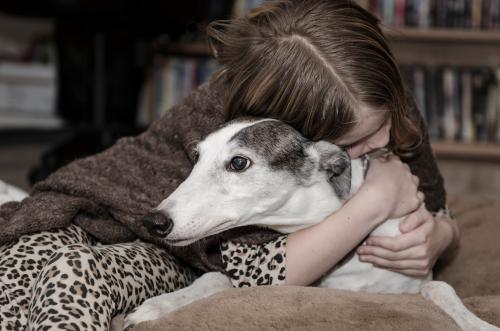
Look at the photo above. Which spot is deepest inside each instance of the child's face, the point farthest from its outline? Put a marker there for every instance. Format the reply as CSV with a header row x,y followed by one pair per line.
x,y
372,132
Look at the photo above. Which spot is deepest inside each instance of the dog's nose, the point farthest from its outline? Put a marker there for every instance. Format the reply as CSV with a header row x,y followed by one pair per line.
x,y
158,224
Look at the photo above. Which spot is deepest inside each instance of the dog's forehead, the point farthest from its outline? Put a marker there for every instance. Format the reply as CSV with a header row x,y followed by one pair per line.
x,y
274,141
277,144
265,131
224,136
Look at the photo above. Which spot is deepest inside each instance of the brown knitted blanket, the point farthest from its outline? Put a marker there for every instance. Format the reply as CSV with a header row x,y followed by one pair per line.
x,y
109,193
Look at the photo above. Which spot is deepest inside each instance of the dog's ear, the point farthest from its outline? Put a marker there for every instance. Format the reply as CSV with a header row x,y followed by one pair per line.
x,y
337,165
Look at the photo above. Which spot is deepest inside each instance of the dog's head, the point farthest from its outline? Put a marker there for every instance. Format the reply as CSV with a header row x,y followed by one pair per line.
x,y
254,172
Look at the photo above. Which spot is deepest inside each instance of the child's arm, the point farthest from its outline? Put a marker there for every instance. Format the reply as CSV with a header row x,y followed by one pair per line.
x,y
302,257
389,191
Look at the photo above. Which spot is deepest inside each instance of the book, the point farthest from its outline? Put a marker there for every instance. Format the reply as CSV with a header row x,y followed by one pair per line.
x,y
424,20
455,14
457,102
497,134
477,13
28,87
388,12
479,103
449,123
168,81
419,90
467,133
491,111
399,15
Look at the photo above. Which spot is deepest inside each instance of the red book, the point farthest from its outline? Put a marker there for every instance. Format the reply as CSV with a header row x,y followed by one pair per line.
x,y
400,8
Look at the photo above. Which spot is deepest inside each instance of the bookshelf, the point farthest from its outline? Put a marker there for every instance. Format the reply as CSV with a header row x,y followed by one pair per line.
x,y
453,47
450,47
442,35
431,46
467,151
410,45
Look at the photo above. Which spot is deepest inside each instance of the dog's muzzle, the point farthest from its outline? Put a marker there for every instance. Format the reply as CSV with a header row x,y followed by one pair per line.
x,y
158,224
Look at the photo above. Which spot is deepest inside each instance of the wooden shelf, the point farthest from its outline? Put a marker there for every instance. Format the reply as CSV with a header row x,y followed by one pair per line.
x,y
449,47
443,35
467,151
453,47
19,119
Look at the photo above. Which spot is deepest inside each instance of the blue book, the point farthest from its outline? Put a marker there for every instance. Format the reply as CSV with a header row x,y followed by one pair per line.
x,y
388,12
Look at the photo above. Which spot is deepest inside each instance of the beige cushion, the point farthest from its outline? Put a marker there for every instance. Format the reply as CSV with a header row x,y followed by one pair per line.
x,y
474,273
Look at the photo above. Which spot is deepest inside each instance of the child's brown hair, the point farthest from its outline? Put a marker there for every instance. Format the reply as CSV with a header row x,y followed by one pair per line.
x,y
312,64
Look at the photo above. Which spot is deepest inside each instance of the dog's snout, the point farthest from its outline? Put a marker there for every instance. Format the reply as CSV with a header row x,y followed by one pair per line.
x,y
158,224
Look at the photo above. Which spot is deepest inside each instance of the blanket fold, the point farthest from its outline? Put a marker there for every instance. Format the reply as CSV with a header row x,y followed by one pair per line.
x,y
108,194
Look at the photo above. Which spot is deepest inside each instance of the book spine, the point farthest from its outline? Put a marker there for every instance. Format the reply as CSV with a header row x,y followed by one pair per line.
x,y
496,15
409,13
477,13
388,12
435,88
448,118
457,103
432,13
491,110
485,14
400,13
424,14
467,124
468,14
497,76
461,8
440,13
419,91
376,7
429,98
479,84
439,116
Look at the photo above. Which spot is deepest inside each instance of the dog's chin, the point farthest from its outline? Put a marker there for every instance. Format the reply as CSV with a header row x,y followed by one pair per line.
x,y
181,242
226,225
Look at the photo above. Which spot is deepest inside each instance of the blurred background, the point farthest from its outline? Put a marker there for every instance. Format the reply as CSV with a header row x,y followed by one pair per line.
x,y
75,75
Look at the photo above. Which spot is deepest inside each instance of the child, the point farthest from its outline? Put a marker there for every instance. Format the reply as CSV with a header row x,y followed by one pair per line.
x,y
325,68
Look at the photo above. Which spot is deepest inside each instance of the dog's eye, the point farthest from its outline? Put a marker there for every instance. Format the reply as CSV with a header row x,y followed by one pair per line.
x,y
239,163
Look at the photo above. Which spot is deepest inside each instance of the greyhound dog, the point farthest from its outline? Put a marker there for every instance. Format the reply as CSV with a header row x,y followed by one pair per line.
x,y
263,172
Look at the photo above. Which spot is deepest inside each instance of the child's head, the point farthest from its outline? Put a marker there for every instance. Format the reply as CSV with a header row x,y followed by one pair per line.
x,y
323,66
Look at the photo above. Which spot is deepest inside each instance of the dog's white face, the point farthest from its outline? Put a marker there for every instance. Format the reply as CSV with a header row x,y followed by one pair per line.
x,y
257,172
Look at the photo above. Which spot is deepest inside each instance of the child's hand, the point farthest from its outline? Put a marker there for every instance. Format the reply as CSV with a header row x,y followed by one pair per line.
x,y
416,250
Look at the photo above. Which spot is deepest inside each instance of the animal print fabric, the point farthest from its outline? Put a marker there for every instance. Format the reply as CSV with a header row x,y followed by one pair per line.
x,y
255,265
65,280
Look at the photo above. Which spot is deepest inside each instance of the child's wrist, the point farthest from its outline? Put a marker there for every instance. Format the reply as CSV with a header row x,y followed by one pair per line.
x,y
449,230
368,200
449,237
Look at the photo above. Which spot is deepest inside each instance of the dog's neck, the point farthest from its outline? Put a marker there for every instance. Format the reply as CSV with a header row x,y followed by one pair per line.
x,y
310,205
